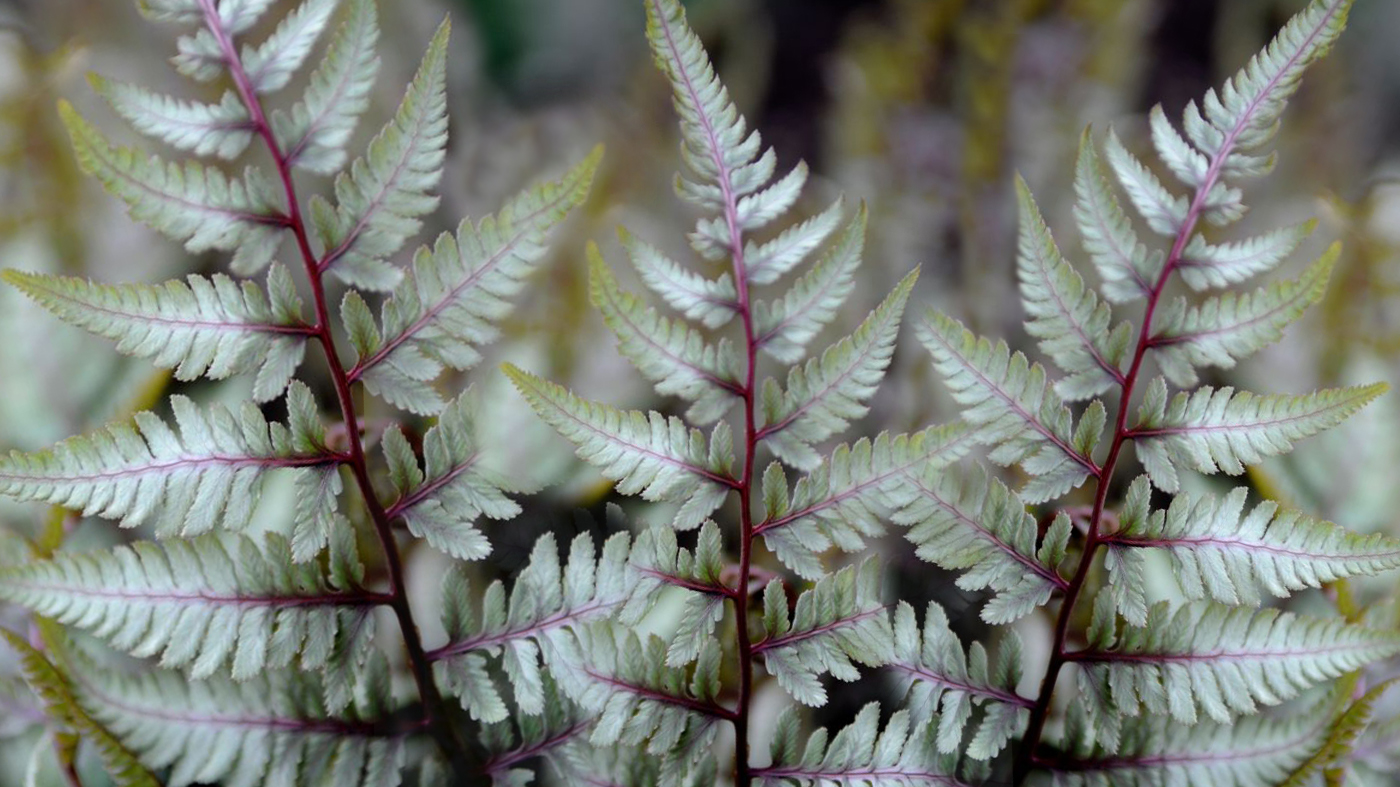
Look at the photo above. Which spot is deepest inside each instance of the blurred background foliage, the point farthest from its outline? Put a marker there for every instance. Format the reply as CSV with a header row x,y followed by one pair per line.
x,y
923,109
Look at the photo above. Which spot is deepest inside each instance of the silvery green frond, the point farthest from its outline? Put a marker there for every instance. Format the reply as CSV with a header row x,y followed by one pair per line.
x,y
1220,552
208,604
838,621
533,621
975,524
312,135
648,454
824,395
212,327
207,474
1010,402
711,302
768,261
1220,661
1243,115
622,677
55,691
1158,751
1164,212
271,64
441,501
456,293
181,11
196,205
237,16
1128,270
527,736
200,56
849,496
579,762
223,129
658,562
1205,266
1066,316
942,683
1224,329
722,154
902,754
270,731
1213,431
784,328
381,196
674,356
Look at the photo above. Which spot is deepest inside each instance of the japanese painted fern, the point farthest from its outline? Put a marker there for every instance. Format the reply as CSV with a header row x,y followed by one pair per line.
x,y
631,664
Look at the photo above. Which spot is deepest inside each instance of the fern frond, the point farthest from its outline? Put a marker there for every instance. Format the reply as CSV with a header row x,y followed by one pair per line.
x,y
838,620
1244,115
312,134
382,195
783,329
846,499
1213,430
195,205
210,473
528,736
1164,212
271,731
56,693
1207,658
213,327
658,561
1219,552
223,129
1072,325
900,755
237,16
625,766
711,302
1348,721
827,393
271,64
457,292
546,601
1010,402
941,681
645,453
1222,330
441,502
208,603
623,678
765,263
675,357
975,524
179,11
1204,265
1158,751
1127,268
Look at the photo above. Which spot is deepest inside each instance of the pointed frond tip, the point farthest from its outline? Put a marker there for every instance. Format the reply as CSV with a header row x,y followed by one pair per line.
x,y
1220,552
209,603
384,193
1212,430
527,624
1010,402
213,327
207,475
902,754
457,292
645,453
940,680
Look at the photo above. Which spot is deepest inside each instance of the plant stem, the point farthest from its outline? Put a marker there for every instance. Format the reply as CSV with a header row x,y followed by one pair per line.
x,y
1025,755
397,597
